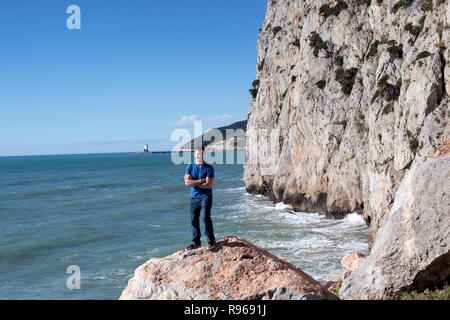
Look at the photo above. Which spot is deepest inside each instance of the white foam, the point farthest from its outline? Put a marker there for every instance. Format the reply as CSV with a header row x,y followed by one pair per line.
x,y
232,189
282,206
311,241
300,248
301,218
355,218
67,187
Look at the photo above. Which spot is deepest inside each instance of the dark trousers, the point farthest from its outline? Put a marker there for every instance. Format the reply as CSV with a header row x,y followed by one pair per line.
x,y
201,207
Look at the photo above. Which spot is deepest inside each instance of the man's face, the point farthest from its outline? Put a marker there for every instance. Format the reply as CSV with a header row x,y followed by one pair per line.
x,y
198,154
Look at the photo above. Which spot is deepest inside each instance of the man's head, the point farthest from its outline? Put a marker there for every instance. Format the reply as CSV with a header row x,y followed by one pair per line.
x,y
198,154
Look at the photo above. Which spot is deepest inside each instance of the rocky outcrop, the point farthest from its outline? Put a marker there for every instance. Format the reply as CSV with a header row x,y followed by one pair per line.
x,y
352,261
442,151
412,251
234,269
348,96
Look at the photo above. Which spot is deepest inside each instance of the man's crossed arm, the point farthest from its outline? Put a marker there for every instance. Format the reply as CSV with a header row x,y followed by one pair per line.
x,y
202,183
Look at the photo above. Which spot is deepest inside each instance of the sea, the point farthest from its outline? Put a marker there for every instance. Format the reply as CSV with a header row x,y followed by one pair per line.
x,y
77,226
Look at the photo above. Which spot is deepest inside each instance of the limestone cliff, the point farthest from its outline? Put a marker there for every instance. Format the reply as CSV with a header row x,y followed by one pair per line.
x,y
351,94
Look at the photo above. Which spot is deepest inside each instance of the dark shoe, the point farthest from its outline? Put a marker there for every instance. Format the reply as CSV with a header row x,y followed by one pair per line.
x,y
211,244
193,246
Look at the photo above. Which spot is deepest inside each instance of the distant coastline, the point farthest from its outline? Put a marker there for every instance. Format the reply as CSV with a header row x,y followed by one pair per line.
x,y
190,150
150,152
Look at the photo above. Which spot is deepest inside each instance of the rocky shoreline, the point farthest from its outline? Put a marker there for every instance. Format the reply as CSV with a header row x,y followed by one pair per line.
x,y
411,253
354,99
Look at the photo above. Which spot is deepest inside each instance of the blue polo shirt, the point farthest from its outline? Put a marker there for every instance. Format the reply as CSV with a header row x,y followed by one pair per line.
x,y
199,172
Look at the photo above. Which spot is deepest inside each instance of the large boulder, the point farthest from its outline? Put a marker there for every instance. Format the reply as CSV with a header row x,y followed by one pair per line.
x,y
413,248
234,269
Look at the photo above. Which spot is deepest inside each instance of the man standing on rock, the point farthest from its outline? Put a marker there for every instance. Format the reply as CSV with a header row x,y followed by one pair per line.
x,y
200,177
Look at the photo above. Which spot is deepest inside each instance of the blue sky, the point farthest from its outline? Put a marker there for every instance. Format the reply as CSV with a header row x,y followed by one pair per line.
x,y
135,71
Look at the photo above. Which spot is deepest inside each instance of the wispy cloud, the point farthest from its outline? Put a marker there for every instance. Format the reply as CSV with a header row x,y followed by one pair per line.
x,y
220,118
187,119
184,120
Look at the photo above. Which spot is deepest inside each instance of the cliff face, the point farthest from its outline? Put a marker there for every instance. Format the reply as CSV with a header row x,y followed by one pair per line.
x,y
348,96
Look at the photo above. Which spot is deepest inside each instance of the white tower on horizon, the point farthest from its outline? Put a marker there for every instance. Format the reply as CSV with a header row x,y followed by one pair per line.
x,y
145,147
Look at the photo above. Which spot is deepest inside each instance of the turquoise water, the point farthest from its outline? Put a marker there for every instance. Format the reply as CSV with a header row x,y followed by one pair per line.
x,y
109,213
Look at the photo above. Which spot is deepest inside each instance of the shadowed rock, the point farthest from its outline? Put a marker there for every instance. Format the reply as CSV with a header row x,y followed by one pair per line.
x,y
234,269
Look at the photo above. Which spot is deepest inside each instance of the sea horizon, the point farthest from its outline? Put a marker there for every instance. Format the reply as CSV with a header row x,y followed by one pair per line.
x,y
88,153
